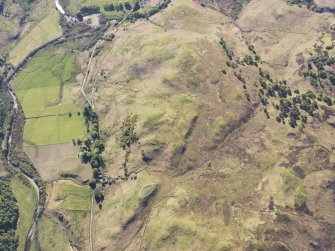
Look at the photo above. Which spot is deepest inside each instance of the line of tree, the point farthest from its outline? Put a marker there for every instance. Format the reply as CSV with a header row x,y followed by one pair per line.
x,y
119,6
92,146
311,5
229,52
87,10
292,106
5,107
148,12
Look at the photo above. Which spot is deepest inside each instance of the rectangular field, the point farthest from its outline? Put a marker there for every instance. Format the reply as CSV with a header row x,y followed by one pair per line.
x,y
44,101
75,198
45,93
53,130
50,236
47,30
54,161
47,69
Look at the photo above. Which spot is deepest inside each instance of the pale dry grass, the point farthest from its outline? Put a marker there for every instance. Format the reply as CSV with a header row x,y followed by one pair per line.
x,y
325,3
52,161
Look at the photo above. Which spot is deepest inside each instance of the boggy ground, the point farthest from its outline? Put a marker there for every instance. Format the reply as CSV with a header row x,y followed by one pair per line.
x,y
227,177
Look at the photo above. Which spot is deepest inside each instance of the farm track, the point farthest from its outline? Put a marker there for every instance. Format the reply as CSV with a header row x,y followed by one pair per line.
x,y
6,157
89,71
46,116
40,207
91,223
40,204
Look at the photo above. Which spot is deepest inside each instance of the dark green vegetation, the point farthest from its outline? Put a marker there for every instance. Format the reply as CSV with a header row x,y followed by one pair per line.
x,y
122,6
126,138
140,13
308,2
118,10
91,147
292,107
19,158
9,214
128,135
312,6
5,107
25,3
229,53
231,8
320,72
88,10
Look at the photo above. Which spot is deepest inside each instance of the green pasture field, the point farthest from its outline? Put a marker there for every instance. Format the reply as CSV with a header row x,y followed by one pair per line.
x,y
41,101
46,69
45,103
47,30
27,201
75,198
54,129
50,236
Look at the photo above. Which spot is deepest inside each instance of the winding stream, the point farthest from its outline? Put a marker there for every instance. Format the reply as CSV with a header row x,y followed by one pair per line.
x,y
9,137
39,208
15,107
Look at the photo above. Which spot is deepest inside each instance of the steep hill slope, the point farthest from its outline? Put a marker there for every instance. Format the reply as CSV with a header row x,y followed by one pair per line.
x,y
228,175
214,125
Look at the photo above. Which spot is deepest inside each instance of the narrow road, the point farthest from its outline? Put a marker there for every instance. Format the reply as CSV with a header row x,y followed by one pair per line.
x,y
6,157
85,80
59,7
39,208
84,83
91,224
88,70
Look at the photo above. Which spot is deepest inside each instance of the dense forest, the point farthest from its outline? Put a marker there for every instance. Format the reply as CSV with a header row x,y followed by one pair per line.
x,y
9,211
5,107
9,214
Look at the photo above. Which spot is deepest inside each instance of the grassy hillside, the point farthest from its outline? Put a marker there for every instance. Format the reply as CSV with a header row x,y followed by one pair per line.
x,y
230,8
26,198
225,138
217,121
42,26
50,236
72,203
74,198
